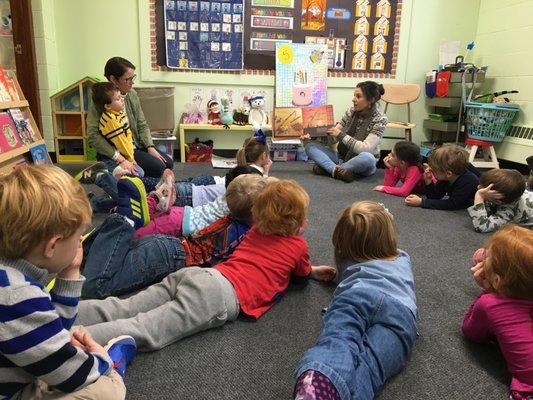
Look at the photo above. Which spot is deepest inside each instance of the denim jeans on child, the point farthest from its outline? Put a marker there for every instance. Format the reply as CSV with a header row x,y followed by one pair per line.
x,y
116,264
363,164
366,339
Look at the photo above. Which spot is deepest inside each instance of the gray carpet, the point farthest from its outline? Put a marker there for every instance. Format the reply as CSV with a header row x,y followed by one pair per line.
x,y
255,360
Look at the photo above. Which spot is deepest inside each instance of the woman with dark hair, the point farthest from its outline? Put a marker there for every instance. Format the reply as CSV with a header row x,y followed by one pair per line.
x,y
121,72
358,135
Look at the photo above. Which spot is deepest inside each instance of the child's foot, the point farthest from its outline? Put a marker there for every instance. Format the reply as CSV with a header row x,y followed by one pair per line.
x,y
132,201
165,191
89,174
121,350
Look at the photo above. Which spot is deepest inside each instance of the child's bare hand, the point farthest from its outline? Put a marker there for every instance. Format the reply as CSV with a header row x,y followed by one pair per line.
x,y
488,194
266,167
86,342
73,270
323,273
428,174
378,188
413,200
479,255
478,272
387,160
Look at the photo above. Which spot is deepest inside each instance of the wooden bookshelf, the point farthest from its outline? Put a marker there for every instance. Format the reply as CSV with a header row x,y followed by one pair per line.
x,y
21,154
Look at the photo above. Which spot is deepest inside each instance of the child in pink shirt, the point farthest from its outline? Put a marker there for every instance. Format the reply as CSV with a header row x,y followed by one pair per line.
x,y
503,311
403,165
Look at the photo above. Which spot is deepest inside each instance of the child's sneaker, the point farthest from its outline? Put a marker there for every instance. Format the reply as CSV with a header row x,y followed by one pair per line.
x,y
165,191
121,350
132,201
89,174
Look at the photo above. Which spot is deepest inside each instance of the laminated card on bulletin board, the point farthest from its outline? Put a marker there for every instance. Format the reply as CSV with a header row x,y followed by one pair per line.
x,y
301,72
204,34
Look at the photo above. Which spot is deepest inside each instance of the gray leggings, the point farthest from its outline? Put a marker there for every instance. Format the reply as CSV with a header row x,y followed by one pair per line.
x,y
187,301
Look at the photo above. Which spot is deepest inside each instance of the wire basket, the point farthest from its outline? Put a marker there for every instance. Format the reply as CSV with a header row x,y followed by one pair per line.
x,y
489,121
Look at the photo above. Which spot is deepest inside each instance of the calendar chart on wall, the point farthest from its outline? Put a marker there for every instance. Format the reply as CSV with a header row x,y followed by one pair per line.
x,y
204,34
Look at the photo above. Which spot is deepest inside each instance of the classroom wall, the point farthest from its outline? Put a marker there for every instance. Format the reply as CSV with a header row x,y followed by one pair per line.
x,y
114,28
503,42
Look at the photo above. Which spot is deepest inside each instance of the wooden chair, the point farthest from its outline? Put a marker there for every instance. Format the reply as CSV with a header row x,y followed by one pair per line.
x,y
401,93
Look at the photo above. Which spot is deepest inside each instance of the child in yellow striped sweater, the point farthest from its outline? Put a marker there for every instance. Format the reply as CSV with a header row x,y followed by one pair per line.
x,y
114,126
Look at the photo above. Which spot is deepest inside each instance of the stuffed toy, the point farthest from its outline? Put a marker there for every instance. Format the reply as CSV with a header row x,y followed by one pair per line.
x,y
226,116
213,116
240,116
258,118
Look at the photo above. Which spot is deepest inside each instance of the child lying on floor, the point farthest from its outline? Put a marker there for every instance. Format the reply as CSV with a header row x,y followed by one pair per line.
x,y
194,299
115,263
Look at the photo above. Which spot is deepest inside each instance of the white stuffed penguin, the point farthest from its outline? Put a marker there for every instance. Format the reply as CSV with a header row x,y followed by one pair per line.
x,y
258,118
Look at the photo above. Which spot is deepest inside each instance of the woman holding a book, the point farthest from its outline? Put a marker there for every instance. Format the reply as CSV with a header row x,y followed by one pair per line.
x,y
121,72
358,136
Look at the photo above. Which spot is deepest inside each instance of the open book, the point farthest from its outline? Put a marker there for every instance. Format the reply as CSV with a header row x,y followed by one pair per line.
x,y
291,122
221,162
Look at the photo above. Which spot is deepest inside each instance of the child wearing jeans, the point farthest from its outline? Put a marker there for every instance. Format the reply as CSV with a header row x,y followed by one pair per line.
x,y
194,299
456,184
370,324
114,126
503,310
115,263
403,164
44,213
501,199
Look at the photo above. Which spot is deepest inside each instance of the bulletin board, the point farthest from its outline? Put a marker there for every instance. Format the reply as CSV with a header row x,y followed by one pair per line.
x,y
204,34
367,29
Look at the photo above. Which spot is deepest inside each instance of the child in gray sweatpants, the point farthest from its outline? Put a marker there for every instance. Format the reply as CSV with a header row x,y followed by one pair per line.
x,y
194,299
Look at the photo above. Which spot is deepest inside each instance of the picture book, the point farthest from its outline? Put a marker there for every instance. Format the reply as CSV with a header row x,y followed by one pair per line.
x,y
39,154
8,86
222,162
296,121
9,136
24,128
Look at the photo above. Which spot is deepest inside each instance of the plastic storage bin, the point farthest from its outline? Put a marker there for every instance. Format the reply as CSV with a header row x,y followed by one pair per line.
x,y
489,121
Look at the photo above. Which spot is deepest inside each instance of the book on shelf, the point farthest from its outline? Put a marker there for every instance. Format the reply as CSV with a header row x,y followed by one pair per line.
x,y
40,155
293,122
9,135
22,123
8,90
20,163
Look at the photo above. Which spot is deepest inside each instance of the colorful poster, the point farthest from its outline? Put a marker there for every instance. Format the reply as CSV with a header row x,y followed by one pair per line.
x,y
274,3
313,15
204,34
301,72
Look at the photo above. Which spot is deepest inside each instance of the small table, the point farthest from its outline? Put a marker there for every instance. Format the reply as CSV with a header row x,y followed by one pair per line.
x,y
216,129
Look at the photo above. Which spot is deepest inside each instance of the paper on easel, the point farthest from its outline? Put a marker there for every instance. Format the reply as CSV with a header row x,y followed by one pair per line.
x,y
448,52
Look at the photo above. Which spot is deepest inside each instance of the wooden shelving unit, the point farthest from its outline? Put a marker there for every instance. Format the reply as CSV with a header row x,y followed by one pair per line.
x,y
8,159
69,111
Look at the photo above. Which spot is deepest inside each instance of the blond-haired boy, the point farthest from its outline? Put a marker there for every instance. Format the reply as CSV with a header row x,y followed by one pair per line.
x,y
44,213
456,184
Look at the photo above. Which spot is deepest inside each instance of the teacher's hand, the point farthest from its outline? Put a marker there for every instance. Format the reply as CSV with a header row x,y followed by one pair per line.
x,y
154,153
334,131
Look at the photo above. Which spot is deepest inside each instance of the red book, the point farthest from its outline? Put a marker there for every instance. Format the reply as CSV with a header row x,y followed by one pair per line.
x,y
9,137
9,85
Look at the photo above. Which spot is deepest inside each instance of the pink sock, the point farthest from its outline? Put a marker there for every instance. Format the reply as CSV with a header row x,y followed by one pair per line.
x,y
313,385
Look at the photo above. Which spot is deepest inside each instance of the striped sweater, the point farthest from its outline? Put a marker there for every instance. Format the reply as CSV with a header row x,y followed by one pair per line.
x,y
34,336
114,126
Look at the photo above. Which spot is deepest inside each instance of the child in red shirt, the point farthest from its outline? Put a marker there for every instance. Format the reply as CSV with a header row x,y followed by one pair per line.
x,y
503,310
194,299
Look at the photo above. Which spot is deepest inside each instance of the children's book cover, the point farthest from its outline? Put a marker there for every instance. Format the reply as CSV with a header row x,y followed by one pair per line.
x,y
39,155
9,136
317,120
301,72
23,125
288,122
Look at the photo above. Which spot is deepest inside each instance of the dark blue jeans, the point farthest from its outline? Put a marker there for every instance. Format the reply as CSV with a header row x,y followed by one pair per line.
x,y
116,264
366,339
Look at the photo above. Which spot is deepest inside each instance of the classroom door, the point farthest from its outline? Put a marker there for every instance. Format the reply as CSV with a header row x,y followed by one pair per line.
x,y
17,49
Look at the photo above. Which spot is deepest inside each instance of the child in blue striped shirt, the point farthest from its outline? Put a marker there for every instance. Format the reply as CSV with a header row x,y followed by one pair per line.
x,y
44,213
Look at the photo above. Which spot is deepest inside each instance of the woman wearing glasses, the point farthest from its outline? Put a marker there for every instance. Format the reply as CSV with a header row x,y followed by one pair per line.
x,y
121,72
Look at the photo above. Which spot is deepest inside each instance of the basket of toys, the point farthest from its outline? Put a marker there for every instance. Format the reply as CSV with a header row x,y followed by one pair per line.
x,y
489,121
200,151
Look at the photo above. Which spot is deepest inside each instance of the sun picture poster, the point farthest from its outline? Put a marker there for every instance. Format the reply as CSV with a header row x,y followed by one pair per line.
x,y
313,15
